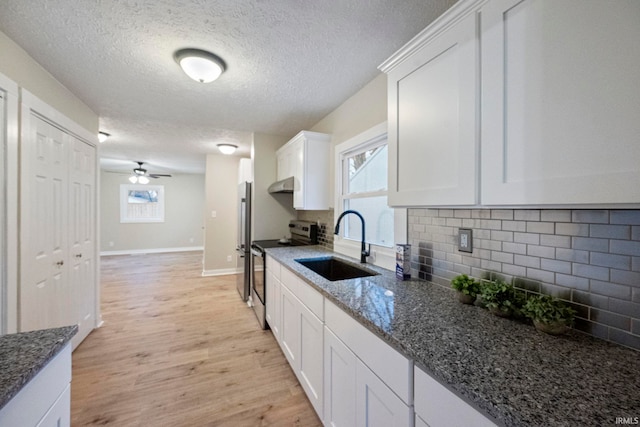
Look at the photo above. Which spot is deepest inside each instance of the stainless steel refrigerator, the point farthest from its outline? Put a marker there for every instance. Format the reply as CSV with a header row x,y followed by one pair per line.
x,y
243,246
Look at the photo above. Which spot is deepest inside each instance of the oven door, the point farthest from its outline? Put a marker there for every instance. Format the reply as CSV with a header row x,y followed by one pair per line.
x,y
258,275
258,283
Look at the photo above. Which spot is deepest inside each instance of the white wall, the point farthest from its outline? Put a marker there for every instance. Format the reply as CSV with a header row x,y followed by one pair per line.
x,y
16,64
365,109
184,222
271,212
221,191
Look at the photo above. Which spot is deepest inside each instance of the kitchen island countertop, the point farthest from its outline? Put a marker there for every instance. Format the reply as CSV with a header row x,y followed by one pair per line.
x,y
24,354
506,369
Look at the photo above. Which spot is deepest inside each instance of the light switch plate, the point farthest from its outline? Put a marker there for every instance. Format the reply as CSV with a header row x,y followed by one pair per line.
x,y
465,240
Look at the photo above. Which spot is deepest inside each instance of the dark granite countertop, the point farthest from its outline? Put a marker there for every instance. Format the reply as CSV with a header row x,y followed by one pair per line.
x,y
507,369
23,355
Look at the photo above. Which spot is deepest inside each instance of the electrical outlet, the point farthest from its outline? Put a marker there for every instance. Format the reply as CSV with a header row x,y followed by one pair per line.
x,y
465,240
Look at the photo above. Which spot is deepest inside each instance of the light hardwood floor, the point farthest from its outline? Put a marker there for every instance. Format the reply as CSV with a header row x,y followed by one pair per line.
x,y
178,349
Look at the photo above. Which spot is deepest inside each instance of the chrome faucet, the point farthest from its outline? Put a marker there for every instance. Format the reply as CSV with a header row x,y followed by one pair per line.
x,y
363,252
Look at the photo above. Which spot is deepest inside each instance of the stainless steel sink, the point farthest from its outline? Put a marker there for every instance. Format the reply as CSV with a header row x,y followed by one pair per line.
x,y
335,269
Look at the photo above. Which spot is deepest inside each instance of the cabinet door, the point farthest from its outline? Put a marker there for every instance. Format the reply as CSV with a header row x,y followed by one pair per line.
x,y
273,312
433,121
45,297
560,102
438,406
284,163
311,357
420,422
59,415
297,165
376,404
82,197
290,327
339,382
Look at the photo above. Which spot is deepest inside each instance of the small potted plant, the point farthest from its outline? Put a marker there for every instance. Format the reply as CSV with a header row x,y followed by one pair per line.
x,y
499,297
468,288
549,314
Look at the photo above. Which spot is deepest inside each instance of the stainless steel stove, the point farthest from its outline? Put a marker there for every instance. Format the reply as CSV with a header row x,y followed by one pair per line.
x,y
303,233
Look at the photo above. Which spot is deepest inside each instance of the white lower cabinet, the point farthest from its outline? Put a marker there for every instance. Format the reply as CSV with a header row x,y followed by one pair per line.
x,y
420,422
301,336
45,401
289,327
354,395
351,376
436,406
311,358
339,382
272,313
376,404
367,383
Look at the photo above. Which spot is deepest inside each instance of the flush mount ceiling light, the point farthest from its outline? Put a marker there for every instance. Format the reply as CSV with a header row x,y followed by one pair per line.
x,y
200,65
102,136
227,148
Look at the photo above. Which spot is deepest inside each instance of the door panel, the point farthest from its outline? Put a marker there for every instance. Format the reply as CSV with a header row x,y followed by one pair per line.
x,y
43,228
81,229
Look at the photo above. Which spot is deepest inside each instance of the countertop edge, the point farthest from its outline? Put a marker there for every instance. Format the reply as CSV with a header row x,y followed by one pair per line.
x,y
52,342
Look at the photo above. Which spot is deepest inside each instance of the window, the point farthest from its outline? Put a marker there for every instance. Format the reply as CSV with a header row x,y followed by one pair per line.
x,y
363,187
141,203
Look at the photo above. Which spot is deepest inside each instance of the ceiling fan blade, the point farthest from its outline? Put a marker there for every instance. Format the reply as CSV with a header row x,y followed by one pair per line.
x,y
158,175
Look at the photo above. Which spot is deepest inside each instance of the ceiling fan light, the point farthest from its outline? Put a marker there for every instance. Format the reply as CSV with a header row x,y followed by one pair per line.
x,y
103,136
200,65
227,148
143,180
133,179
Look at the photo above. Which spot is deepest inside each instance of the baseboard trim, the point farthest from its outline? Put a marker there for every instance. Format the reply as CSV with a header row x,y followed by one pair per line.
x,y
152,251
222,272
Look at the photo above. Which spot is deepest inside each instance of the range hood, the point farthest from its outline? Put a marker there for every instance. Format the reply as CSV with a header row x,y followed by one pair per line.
x,y
282,186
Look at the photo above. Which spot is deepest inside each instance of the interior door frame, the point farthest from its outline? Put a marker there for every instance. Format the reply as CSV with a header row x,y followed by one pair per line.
x,y
9,207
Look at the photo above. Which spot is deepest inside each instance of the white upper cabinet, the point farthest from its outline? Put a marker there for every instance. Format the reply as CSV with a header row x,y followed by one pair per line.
x,y
544,92
306,158
433,114
560,102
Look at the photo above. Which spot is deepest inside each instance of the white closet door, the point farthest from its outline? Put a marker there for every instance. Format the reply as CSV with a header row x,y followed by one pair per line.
x,y
82,234
44,285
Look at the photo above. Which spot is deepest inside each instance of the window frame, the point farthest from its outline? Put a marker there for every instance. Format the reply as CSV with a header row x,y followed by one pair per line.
x,y
383,256
124,202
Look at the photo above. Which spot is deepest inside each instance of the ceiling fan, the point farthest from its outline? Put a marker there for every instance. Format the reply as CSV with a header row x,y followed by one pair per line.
x,y
140,175
140,171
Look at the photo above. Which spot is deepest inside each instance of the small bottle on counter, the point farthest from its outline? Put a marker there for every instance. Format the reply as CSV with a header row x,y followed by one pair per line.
x,y
403,262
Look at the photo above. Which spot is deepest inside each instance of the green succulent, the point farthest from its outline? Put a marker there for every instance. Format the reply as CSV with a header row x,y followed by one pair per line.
x,y
547,309
465,284
501,297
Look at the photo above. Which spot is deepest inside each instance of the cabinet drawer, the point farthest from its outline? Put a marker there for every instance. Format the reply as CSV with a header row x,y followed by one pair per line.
x,y
392,367
438,406
311,298
273,266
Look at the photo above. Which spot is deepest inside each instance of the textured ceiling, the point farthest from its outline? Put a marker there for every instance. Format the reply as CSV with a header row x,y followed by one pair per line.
x,y
289,63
